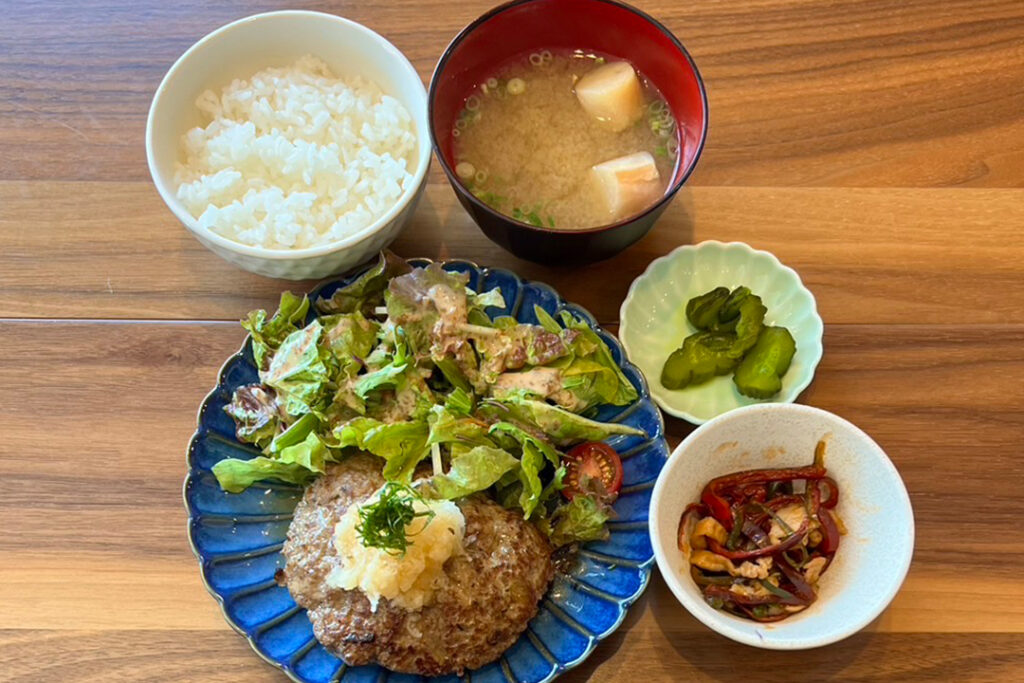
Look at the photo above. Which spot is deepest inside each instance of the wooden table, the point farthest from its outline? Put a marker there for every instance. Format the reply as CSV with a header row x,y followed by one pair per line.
x,y
876,146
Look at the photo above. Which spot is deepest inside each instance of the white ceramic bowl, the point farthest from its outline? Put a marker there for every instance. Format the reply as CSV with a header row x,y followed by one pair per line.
x,y
239,50
873,558
653,321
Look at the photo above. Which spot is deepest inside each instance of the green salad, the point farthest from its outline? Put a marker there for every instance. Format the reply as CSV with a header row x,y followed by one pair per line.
x,y
406,364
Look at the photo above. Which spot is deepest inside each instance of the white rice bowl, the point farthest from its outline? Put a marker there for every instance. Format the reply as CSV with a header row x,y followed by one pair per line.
x,y
294,157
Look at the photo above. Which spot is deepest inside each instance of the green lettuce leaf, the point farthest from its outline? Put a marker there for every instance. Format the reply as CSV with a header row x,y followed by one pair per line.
x,y
476,316
487,299
555,486
297,371
523,438
578,371
504,322
588,342
430,304
387,376
349,339
367,291
295,464
591,383
235,476
311,453
267,334
296,433
460,401
580,519
454,373
561,426
476,470
530,465
397,390
535,452
401,444
256,414
508,493
546,321
447,427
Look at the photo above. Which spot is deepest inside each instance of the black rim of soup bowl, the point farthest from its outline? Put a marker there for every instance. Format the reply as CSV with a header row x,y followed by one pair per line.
x,y
535,243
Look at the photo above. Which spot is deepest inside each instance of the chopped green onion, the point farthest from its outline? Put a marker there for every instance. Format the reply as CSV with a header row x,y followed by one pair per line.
x,y
733,541
779,592
489,198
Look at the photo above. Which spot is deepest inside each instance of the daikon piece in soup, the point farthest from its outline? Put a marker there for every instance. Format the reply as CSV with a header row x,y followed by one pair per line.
x,y
566,140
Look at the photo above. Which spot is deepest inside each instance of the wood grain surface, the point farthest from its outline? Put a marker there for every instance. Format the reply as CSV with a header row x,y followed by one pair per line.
x,y
877,146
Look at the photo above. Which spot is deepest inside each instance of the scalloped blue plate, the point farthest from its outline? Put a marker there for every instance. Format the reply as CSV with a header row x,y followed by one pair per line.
x,y
238,537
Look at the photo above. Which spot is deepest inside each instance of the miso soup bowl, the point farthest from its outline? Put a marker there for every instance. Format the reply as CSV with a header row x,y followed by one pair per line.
x,y
604,26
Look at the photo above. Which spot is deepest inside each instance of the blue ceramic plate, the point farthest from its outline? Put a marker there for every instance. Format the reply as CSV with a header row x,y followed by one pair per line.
x,y
238,537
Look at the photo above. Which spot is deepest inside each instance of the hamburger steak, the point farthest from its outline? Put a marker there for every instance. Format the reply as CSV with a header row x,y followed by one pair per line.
x,y
482,600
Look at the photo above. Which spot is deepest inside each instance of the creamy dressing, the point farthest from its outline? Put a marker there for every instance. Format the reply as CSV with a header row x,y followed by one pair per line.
x,y
539,381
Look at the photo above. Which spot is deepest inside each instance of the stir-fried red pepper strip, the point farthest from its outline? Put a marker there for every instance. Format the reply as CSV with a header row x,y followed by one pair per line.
x,y
801,588
782,501
715,494
829,532
790,541
833,492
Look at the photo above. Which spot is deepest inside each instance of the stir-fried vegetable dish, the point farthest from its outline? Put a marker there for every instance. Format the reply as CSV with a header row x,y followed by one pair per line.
x,y
758,541
406,363
731,337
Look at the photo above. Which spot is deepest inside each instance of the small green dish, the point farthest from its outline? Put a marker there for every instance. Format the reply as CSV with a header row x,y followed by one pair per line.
x,y
653,321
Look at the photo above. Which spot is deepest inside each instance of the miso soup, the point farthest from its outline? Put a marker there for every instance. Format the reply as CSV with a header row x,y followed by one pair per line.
x,y
566,140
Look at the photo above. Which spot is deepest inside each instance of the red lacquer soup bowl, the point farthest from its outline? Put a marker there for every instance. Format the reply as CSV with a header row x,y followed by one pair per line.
x,y
601,26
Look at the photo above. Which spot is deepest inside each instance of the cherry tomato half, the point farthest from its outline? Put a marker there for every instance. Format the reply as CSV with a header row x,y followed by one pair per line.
x,y
596,460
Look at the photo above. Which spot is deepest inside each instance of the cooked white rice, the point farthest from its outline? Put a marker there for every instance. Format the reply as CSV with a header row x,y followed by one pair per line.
x,y
294,157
